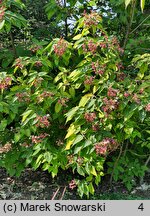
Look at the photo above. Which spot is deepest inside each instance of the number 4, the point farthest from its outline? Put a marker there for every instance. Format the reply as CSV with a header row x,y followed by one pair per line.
x,y
141,207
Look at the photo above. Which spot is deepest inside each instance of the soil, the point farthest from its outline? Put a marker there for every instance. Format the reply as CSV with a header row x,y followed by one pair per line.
x,y
38,185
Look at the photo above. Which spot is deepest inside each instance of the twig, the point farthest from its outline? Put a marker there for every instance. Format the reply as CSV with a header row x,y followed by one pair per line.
x,y
66,21
13,44
126,147
129,24
53,197
139,24
63,193
115,164
146,163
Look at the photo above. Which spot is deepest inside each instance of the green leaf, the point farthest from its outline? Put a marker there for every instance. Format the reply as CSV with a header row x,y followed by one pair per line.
x,y
80,170
71,113
38,160
142,115
142,4
120,169
28,132
69,142
128,130
48,156
77,149
17,137
87,168
3,125
92,3
127,2
75,75
58,77
54,171
8,27
128,112
129,186
93,171
78,139
71,131
91,188
36,151
58,107
25,115
97,179
29,118
87,143
77,37
2,24
85,99
72,92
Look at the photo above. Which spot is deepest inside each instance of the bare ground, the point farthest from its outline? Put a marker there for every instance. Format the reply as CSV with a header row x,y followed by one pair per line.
x,y
38,185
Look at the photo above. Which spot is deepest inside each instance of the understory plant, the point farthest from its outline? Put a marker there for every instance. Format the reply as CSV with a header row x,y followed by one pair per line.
x,y
72,106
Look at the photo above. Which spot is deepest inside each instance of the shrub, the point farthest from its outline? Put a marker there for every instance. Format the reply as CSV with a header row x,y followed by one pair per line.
x,y
72,106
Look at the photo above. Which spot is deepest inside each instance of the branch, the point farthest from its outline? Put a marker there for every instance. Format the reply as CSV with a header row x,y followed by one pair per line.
x,y
115,164
63,193
140,24
146,163
13,44
53,197
129,24
66,21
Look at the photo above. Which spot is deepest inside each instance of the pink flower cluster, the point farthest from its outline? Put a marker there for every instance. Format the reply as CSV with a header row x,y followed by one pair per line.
x,y
92,47
80,160
45,94
38,139
23,97
90,117
38,64
35,48
103,44
101,148
105,146
89,80
70,159
19,63
141,91
116,44
60,47
42,121
147,107
38,81
120,66
110,105
136,99
126,94
121,76
5,83
25,144
72,184
97,68
91,19
59,142
95,127
112,92
63,101
2,12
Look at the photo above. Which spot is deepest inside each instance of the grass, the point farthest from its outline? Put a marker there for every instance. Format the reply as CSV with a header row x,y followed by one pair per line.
x,y
105,196
116,196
